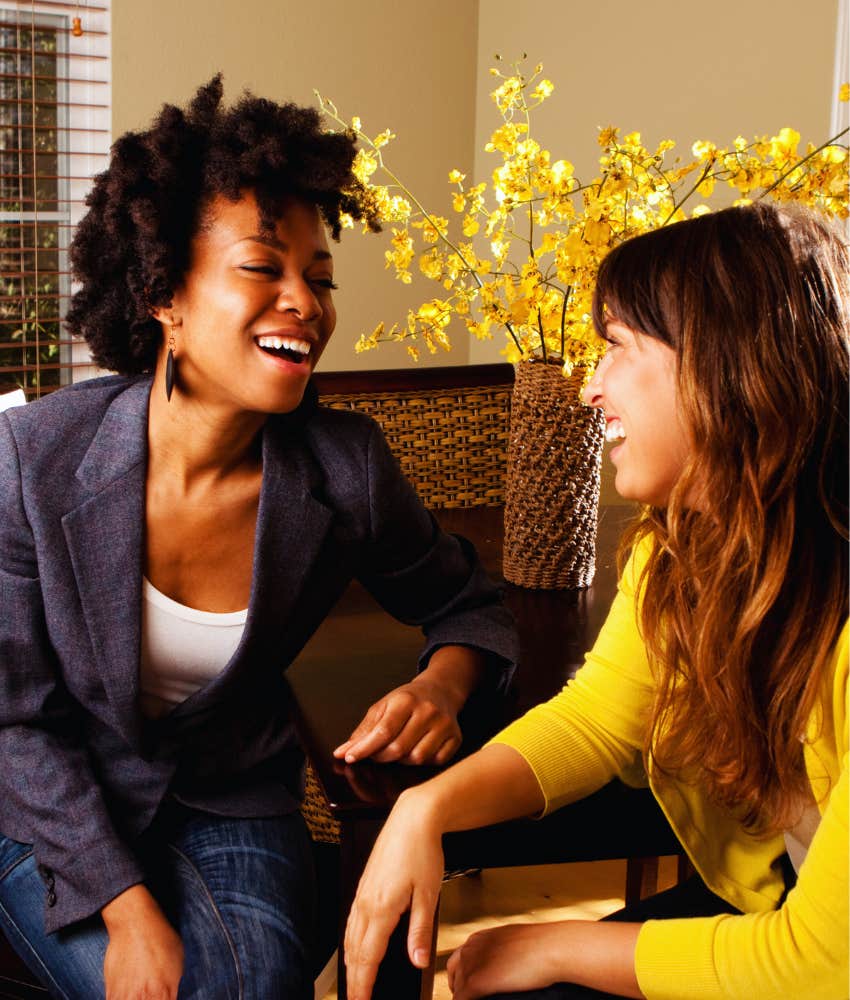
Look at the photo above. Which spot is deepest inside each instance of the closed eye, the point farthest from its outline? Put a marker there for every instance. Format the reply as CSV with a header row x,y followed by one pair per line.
x,y
325,283
260,269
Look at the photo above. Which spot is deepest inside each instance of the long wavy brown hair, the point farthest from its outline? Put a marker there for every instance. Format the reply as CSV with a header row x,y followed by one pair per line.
x,y
746,588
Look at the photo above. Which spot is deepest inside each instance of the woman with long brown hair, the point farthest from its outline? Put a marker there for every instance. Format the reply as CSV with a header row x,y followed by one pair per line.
x,y
720,676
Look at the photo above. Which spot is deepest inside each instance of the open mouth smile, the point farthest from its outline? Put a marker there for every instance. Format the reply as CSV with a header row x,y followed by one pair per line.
x,y
614,430
290,349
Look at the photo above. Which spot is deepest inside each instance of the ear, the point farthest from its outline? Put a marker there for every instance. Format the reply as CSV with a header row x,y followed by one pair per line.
x,y
167,316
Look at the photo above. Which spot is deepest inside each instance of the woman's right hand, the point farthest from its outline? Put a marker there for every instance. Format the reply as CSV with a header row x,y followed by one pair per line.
x,y
404,871
144,957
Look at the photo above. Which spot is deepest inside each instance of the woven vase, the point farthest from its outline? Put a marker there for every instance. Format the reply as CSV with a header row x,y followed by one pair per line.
x,y
552,492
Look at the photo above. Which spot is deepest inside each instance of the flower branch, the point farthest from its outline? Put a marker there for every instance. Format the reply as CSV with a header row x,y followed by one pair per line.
x,y
538,287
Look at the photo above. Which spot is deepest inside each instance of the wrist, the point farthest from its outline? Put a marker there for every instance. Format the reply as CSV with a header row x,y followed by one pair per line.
x,y
456,670
130,908
423,806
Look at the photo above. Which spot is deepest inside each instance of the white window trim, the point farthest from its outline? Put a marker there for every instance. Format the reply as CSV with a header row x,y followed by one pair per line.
x,y
87,149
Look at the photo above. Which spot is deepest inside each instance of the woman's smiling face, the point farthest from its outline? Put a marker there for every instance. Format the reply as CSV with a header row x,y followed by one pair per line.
x,y
635,384
255,309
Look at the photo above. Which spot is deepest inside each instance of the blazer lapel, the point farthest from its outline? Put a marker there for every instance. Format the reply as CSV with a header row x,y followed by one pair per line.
x,y
104,534
291,527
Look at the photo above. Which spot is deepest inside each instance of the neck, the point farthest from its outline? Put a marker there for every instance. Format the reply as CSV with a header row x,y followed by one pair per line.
x,y
197,440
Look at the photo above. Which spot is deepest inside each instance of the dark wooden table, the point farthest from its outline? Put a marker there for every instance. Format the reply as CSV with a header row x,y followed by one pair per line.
x,y
360,653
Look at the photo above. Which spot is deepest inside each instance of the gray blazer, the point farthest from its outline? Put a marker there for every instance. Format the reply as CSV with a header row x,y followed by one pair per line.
x,y
82,773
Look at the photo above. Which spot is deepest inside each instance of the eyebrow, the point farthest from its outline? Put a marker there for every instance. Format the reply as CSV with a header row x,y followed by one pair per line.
x,y
276,244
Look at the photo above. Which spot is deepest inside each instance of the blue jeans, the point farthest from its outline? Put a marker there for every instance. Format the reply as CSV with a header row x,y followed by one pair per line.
x,y
240,892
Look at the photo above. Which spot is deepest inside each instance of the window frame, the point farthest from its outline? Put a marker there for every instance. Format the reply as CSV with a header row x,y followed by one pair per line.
x,y
83,126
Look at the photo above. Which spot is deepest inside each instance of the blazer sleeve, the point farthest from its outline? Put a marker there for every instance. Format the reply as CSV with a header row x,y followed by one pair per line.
x,y
47,786
425,577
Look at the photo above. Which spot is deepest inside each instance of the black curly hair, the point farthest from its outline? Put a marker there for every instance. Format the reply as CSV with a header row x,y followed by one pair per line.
x,y
131,250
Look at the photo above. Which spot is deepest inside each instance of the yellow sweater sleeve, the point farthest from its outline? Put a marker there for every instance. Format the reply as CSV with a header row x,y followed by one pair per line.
x,y
593,729
797,952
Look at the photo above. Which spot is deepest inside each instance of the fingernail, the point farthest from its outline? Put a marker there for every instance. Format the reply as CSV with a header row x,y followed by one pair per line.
x,y
420,957
350,758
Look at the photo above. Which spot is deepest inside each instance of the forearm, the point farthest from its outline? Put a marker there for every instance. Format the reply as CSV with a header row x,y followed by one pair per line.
x,y
490,786
600,956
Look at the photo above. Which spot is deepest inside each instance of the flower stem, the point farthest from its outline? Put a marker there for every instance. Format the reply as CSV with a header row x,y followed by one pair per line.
x,y
829,142
678,204
567,293
542,338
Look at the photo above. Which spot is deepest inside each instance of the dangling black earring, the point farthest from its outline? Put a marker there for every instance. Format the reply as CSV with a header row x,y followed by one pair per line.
x,y
170,367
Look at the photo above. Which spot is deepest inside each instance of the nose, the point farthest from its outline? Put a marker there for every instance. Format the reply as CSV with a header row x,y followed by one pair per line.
x,y
591,394
298,296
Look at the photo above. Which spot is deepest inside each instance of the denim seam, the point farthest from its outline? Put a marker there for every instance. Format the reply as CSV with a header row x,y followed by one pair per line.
x,y
45,972
218,917
14,864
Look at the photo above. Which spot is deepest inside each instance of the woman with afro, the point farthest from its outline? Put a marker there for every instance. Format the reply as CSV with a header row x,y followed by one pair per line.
x,y
170,538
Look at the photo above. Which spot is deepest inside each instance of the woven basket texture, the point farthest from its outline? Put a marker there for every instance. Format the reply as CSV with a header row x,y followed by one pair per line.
x,y
552,494
452,444
324,829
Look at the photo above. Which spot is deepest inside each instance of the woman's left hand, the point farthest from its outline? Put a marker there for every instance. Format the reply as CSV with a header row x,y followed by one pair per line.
x,y
413,724
514,958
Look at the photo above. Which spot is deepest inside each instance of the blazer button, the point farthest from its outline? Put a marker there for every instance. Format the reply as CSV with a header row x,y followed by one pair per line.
x,y
50,881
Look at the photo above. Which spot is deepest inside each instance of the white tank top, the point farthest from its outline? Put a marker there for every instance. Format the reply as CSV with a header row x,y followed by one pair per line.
x,y
798,838
182,649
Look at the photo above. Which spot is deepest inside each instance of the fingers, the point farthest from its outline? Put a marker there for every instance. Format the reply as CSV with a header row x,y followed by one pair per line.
x,y
367,933
364,949
441,753
451,969
421,930
384,721
363,728
423,735
403,727
459,973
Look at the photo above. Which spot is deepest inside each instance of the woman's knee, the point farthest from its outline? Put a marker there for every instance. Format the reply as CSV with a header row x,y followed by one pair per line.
x,y
243,899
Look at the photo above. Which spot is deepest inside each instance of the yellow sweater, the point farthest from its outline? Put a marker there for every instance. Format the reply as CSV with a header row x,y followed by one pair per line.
x,y
592,731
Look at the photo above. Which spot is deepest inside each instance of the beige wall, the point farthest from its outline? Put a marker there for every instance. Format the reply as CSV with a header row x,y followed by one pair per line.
x,y
740,66
375,59
685,71
688,71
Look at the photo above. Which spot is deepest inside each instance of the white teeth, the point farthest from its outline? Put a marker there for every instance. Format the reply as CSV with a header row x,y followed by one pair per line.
x,y
273,342
276,343
614,430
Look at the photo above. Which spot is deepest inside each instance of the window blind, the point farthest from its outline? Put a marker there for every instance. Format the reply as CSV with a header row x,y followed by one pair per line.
x,y
54,137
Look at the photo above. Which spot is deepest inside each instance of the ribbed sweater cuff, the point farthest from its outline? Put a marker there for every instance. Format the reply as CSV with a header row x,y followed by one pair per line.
x,y
566,768
674,959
